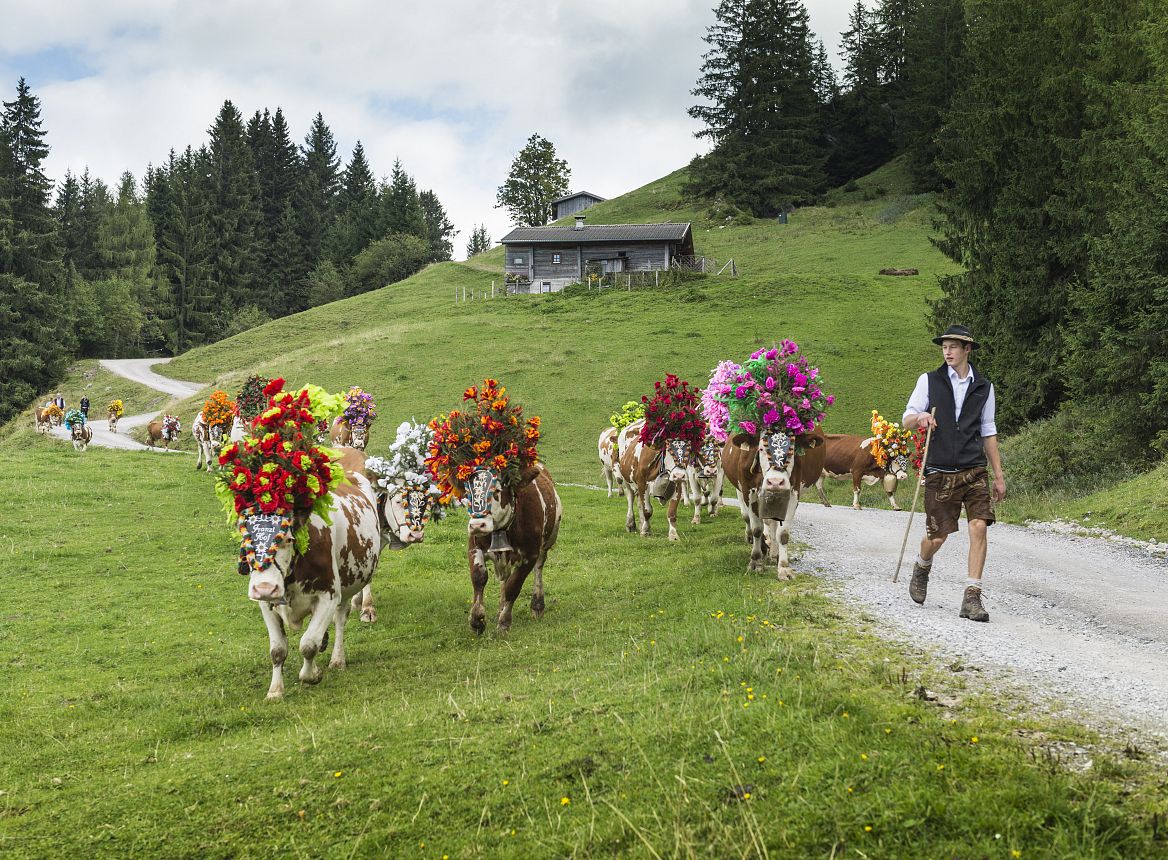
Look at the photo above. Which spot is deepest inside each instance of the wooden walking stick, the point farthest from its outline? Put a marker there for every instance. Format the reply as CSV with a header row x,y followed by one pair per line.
x,y
916,493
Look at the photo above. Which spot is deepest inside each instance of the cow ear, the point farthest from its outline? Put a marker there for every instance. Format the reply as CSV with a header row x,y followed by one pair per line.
x,y
867,442
743,440
807,441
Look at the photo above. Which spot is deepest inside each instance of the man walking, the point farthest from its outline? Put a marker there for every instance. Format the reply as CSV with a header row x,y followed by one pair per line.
x,y
964,437
85,407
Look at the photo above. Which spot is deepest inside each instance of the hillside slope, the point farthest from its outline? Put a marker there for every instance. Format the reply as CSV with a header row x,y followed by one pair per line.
x,y
573,359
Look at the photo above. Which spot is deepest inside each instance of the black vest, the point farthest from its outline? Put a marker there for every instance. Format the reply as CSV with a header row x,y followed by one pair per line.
x,y
957,444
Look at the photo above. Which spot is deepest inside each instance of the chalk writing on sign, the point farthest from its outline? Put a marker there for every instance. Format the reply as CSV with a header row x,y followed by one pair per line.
x,y
264,530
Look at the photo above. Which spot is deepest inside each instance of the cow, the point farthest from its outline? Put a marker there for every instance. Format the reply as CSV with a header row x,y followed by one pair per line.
x,y
403,513
352,435
82,435
704,478
649,473
111,421
165,429
238,429
848,456
768,472
340,562
208,438
516,527
606,447
42,418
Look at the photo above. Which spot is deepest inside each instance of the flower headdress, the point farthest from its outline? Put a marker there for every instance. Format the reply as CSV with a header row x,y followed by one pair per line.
x,y
74,416
251,400
672,413
277,469
115,406
54,411
219,409
406,464
490,433
774,389
889,440
359,407
630,412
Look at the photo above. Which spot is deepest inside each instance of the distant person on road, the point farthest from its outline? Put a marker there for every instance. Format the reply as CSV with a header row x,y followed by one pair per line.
x,y
964,437
60,401
85,407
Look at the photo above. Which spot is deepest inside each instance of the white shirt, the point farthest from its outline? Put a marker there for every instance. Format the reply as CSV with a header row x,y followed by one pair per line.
x,y
919,401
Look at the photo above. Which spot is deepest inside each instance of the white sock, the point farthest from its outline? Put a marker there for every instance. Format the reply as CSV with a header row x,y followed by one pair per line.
x,y
973,583
925,564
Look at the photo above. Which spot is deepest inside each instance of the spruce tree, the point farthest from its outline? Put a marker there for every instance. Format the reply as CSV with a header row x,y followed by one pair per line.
x,y
36,340
762,111
438,232
233,213
184,255
401,209
479,242
358,219
317,192
95,205
68,213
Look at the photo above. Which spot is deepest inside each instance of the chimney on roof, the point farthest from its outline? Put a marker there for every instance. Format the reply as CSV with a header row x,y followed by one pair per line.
x,y
579,222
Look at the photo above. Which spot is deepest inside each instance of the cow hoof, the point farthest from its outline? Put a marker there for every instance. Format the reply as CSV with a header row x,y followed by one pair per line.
x,y
275,695
754,567
630,527
339,665
897,508
311,674
369,616
785,574
478,622
673,537
856,508
537,607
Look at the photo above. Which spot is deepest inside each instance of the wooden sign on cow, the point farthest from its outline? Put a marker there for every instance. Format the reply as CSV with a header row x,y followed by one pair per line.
x,y
262,534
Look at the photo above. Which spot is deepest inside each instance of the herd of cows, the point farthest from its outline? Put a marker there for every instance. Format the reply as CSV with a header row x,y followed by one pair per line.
x,y
514,527
768,472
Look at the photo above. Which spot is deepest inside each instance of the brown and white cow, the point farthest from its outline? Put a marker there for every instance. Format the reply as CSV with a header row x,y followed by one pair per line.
x,y
515,527
209,439
704,479
111,421
82,435
848,456
42,419
403,513
768,473
351,435
340,562
652,473
606,449
157,431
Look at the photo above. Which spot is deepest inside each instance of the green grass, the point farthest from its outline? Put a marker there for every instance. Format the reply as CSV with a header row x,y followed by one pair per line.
x,y
133,721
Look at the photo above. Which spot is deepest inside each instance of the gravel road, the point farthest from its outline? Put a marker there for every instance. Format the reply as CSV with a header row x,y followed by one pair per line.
x,y
1080,621
137,370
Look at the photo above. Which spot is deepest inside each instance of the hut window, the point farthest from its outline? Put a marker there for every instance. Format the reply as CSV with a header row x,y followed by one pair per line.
x,y
556,258
517,261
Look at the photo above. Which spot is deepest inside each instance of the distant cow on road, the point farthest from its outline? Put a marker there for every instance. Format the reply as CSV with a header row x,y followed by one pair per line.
x,y
850,457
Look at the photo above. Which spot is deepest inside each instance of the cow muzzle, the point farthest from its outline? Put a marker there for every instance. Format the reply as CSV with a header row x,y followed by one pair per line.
x,y
408,535
481,525
776,481
676,475
266,588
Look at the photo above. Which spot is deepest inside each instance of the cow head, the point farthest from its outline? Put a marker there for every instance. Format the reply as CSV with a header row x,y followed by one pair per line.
x,y
215,433
404,512
80,433
360,433
708,458
896,469
776,459
491,505
267,551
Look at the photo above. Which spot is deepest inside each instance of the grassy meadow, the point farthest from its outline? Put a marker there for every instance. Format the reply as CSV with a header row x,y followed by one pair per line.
x,y
727,717
669,704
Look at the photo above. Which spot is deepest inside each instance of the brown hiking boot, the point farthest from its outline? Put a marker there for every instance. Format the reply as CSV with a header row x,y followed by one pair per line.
x,y
918,586
971,607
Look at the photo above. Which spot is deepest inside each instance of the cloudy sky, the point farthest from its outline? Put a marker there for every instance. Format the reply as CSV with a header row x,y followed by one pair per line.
x,y
452,88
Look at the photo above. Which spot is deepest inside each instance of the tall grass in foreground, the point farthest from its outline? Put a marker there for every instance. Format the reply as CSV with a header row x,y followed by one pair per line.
x,y
667,705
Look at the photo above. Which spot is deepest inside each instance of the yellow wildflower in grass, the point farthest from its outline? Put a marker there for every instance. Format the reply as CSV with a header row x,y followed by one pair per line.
x,y
506,782
338,774
863,756
973,739
746,795
564,801
940,767
761,759
1015,853
867,828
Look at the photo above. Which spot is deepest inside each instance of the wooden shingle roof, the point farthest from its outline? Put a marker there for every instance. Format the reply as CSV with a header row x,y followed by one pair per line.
x,y
668,232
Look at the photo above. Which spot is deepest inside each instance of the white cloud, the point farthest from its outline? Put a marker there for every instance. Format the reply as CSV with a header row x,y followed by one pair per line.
x,y
454,89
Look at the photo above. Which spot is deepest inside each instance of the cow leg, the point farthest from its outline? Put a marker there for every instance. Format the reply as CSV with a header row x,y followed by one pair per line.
x,y
607,472
856,492
822,493
478,581
716,496
364,602
509,591
892,501
277,647
754,529
784,570
340,619
537,586
316,637
646,502
630,520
